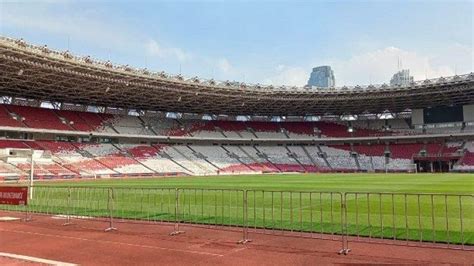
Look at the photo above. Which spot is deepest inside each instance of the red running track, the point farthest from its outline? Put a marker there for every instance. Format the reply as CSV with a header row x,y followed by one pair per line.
x,y
86,243
6,261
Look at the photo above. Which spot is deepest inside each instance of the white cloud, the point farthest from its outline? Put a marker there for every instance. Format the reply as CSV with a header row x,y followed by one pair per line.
x,y
224,65
378,66
288,75
87,26
154,49
456,55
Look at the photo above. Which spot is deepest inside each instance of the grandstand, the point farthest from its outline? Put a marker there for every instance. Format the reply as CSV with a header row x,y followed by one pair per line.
x,y
94,119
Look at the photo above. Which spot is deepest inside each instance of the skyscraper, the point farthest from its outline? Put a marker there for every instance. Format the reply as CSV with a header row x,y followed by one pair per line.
x,y
401,78
322,76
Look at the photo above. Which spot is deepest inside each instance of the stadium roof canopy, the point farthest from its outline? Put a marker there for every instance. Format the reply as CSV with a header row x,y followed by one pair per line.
x,y
39,73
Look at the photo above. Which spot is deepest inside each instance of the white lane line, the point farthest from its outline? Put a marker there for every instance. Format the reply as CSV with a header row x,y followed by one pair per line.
x,y
8,219
117,243
71,217
34,259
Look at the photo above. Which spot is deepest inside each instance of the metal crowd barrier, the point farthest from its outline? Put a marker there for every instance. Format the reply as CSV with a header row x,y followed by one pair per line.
x,y
436,220
306,214
418,219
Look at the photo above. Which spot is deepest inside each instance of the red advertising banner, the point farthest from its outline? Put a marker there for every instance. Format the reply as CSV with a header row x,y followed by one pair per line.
x,y
14,195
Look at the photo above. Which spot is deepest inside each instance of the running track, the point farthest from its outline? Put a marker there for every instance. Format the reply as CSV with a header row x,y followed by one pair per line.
x,y
86,243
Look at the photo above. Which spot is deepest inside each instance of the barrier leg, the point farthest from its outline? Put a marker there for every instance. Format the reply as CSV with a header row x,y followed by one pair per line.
x,y
176,230
68,209
344,234
27,214
110,206
27,207
245,239
245,232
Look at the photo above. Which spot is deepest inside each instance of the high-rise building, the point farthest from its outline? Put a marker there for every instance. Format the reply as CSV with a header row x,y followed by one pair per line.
x,y
401,78
323,77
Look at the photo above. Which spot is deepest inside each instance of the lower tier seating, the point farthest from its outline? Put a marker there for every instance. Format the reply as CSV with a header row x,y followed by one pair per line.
x,y
65,160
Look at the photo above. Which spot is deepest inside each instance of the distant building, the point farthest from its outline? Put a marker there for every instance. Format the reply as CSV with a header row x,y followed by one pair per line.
x,y
401,78
322,77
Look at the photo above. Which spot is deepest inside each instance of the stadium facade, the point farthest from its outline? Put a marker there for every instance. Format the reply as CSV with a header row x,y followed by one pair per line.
x,y
85,118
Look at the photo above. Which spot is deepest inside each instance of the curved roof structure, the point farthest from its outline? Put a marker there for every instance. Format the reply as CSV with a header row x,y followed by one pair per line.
x,y
39,73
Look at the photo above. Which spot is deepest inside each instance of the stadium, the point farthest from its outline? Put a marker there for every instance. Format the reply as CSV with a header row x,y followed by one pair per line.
x,y
353,168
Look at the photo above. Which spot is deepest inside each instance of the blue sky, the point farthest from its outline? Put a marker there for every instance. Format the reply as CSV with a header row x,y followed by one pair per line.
x,y
270,42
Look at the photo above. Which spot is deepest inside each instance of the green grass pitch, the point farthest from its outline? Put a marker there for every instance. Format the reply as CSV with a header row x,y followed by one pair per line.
x,y
298,202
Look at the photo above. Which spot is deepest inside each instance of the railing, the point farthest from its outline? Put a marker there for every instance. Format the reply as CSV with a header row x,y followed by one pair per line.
x,y
307,213
436,220
403,218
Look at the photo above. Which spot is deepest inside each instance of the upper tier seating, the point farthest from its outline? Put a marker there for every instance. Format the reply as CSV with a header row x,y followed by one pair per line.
x,y
266,130
299,128
263,126
332,130
95,120
203,129
7,120
377,124
231,129
405,151
78,122
129,125
370,150
44,118
38,117
164,126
